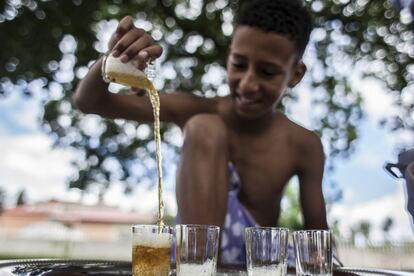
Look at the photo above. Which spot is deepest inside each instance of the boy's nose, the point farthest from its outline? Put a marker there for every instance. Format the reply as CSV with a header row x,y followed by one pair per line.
x,y
249,82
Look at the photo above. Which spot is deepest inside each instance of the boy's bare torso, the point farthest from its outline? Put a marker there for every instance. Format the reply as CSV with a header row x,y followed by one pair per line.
x,y
265,157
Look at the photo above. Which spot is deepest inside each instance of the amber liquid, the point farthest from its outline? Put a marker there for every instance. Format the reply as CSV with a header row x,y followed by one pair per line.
x,y
155,102
144,83
150,261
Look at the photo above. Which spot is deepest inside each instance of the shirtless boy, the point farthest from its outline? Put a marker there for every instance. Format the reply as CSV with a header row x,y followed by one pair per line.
x,y
239,152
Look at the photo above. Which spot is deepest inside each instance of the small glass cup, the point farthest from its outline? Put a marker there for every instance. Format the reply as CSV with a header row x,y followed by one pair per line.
x,y
113,70
151,250
266,250
313,252
197,249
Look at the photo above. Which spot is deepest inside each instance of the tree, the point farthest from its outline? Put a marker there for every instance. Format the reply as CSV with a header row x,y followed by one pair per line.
x,y
353,235
373,35
386,227
291,215
365,229
21,198
2,200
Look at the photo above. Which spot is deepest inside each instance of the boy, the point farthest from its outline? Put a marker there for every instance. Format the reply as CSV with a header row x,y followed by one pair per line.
x,y
239,152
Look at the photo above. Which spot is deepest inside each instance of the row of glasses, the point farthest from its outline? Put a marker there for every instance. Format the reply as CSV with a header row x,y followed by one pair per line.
x,y
266,249
197,248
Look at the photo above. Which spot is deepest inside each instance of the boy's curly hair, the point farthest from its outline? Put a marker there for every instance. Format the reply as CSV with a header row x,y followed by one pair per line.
x,y
286,17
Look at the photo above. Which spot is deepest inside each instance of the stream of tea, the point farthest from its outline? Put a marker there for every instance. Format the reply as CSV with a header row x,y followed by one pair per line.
x,y
155,102
141,82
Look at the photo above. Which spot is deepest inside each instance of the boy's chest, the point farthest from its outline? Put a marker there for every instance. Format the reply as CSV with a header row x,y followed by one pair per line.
x,y
264,165
263,176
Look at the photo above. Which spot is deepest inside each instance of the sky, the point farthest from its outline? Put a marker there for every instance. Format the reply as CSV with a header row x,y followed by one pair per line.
x,y
28,162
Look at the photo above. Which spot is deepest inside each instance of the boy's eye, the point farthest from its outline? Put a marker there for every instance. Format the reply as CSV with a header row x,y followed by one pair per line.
x,y
269,72
238,65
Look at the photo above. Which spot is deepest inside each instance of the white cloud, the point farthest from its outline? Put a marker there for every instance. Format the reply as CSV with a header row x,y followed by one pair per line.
x,y
301,111
142,199
375,212
378,103
29,162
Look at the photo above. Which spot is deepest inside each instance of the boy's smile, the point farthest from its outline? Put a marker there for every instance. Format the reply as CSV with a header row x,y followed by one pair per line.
x,y
261,65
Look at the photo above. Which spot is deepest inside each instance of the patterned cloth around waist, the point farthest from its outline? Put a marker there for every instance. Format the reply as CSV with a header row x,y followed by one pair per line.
x,y
237,218
233,250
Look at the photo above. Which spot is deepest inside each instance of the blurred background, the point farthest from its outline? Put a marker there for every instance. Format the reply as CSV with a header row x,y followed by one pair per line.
x,y
72,184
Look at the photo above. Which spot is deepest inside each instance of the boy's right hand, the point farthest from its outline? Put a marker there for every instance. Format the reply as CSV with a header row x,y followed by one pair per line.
x,y
133,44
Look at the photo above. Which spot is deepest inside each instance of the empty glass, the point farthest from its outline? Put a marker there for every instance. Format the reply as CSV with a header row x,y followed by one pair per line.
x,y
266,251
313,251
197,249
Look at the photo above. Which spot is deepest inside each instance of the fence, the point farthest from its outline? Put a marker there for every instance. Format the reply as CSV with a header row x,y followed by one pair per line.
x,y
25,248
393,256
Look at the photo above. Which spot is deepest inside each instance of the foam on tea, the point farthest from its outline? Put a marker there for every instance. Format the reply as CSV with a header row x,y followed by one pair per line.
x,y
155,240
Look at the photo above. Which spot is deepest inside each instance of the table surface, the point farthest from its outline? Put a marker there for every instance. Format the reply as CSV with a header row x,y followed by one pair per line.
x,y
52,267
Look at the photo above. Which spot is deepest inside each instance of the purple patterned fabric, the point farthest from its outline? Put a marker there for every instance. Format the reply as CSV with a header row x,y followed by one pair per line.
x,y
237,219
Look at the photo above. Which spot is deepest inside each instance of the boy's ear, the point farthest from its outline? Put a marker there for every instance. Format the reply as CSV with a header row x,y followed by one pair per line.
x,y
300,70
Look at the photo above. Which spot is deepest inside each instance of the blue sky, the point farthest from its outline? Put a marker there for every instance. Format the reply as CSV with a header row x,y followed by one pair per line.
x,y
11,109
362,176
27,155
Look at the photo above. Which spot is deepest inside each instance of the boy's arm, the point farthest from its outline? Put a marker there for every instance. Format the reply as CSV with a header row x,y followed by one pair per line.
x,y
92,96
310,179
311,196
131,43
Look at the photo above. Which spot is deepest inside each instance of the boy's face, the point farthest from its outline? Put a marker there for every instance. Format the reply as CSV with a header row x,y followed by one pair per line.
x,y
261,65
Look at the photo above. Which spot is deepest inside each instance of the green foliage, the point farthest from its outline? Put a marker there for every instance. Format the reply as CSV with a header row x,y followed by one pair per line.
x,y
169,220
386,227
21,198
364,228
387,224
291,214
2,200
50,43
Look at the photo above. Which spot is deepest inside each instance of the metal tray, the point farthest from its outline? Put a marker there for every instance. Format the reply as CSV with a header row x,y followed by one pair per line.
x,y
53,267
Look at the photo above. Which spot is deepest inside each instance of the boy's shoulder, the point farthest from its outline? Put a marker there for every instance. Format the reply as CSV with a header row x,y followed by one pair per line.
x,y
297,134
292,127
304,146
